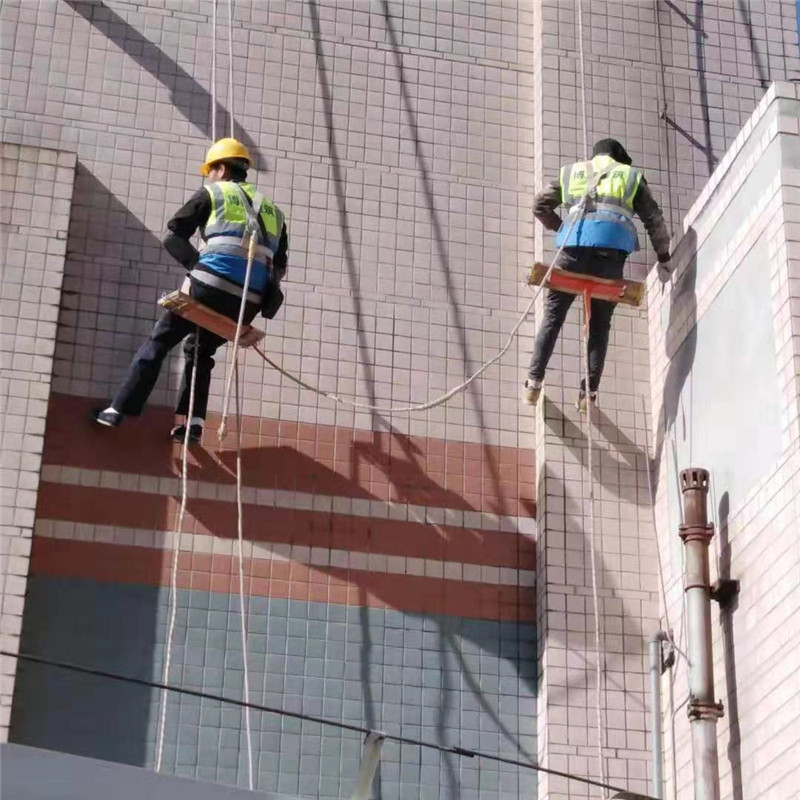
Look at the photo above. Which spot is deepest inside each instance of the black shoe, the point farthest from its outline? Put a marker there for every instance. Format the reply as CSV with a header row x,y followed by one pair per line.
x,y
108,418
178,433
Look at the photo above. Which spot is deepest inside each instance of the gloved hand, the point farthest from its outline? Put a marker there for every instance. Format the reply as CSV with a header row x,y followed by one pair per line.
x,y
664,268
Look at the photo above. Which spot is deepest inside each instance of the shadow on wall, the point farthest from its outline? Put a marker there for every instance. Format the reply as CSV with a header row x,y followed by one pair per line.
x,y
622,452
127,635
114,263
761,70
681,352
82,714
106,241
734,753
696,25
440,242
408,483
99,627
349,255
188,96
700,54
580,645
339,182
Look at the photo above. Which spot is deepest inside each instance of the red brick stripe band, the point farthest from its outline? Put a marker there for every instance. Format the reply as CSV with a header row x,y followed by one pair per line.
x,y
320,459
115,507
122,564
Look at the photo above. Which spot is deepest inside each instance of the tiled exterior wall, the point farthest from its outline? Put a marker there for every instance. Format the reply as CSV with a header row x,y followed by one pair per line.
x,y
675,82
397,139
402,160
756,640
426,675
35,192
404,141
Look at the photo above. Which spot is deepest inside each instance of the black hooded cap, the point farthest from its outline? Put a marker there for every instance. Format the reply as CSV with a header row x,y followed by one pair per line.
x,y
611,147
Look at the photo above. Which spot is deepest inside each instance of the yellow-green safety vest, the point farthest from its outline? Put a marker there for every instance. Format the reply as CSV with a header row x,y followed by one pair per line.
x,y
226,228
608,219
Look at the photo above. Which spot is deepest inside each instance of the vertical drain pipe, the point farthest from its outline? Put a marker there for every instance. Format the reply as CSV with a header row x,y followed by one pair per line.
x,y
656,670
703,710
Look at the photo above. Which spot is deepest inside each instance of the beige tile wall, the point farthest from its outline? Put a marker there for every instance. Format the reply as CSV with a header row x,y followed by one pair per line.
x,y
35,205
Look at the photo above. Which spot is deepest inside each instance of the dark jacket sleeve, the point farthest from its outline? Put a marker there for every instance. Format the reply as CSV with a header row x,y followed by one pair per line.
x,y
281,261
649,213
191,216
545,204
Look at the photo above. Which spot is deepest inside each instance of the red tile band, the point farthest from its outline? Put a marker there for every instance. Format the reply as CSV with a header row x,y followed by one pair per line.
x,y
124,564
128,509
319,459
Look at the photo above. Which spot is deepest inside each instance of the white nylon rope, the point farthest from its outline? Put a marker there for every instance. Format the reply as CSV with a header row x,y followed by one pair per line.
x,y
176,541
599,671
242,615
214,72
590,443
230,69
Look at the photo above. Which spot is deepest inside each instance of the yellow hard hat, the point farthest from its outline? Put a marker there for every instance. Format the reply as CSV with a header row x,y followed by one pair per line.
x,y
222,150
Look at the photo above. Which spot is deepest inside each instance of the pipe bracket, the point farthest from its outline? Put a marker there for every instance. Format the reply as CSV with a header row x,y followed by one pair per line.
x,y
705,709
724,591
695,533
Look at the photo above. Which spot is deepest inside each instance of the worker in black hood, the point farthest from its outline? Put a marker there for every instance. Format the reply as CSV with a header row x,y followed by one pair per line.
x,y
596,242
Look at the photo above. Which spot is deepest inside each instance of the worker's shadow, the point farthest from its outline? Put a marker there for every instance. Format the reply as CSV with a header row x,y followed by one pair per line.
x,y
459,641
680,341
614,451
397,457
573,691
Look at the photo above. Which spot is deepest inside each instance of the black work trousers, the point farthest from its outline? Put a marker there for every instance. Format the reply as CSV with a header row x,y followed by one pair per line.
x,y
168,332
596,261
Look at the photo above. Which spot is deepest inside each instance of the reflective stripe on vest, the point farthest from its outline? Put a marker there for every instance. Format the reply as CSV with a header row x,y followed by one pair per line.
x,y
611,207
226,228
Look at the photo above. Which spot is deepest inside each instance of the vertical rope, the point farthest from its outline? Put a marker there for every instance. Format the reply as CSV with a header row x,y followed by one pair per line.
x,y
230,70
251,254
590,443
176,541
593,556
583,79
242,614
214,72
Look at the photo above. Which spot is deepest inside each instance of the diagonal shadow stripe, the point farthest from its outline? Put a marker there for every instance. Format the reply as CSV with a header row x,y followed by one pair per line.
x,y
184,89
710,157
695,26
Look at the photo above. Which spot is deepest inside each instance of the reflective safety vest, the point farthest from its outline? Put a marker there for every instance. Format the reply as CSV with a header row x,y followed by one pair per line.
x,y
225,232
608,218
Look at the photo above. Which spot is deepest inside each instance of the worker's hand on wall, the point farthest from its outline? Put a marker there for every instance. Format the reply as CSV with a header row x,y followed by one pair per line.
x,y
664,268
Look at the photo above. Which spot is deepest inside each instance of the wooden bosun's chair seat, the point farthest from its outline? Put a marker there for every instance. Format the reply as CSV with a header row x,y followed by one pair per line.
x,y
629,293
183,305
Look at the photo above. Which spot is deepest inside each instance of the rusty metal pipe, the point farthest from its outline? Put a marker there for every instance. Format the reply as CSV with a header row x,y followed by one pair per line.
x,y
702,709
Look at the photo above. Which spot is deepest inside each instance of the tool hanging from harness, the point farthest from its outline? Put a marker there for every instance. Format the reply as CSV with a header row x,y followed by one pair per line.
x,y
607,218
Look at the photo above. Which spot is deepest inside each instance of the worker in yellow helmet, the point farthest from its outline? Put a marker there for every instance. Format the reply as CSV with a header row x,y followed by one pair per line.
x,y
595,243
225,211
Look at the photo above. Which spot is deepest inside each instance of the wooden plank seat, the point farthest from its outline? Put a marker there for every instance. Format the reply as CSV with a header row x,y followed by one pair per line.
x,y
183,305
627,292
